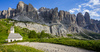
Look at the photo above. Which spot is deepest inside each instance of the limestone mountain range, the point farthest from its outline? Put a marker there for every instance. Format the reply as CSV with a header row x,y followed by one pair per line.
x,y
58,22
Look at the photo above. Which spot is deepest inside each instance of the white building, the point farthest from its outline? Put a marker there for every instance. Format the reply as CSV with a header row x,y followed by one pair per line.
x,y
14,36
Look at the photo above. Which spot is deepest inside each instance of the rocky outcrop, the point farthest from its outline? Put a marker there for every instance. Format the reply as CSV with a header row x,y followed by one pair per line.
x,y
9,11
67,18
80,20
98,25
55,15
45,14
61,15
34,26
30,8
93,21
21,6
4,12
58,30
54,29
92,27
42,9
87,18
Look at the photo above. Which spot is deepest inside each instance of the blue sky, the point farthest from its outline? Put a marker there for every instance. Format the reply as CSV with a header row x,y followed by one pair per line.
x,y
73,6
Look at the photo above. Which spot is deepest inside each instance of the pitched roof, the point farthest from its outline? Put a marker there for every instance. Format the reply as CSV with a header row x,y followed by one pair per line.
x,y
14,36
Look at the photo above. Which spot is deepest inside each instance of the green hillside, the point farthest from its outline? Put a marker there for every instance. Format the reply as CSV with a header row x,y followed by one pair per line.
x,y
4,29
5,25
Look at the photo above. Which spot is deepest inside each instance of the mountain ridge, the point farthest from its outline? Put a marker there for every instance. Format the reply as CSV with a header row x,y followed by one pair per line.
x,y
60,22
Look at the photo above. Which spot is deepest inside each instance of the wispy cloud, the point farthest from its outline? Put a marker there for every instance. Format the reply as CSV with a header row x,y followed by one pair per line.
x,y
92,6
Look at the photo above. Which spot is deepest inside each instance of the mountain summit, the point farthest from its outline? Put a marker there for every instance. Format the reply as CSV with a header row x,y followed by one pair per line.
x,y
60,22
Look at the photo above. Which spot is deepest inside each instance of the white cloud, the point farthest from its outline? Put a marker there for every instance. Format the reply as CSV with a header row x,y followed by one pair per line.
x,y
92,6
85,10
95,2
94,14
71,11
79,6
75,9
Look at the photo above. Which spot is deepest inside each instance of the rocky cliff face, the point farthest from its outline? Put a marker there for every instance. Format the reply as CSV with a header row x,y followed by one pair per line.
x,y
34,26
54,29
80,20
87,18
58,22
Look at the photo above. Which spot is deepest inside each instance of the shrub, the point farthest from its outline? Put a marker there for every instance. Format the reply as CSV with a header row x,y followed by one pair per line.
x,y
33,34
45,35
69,35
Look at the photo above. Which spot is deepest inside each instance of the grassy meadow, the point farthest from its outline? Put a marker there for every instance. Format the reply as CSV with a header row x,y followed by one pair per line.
x,y
17,48
4,29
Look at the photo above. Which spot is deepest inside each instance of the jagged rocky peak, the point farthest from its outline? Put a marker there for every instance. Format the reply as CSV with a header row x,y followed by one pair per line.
x,y
93,27
20,6
4,12
61,14
9,9
80,20
42,9
55,12
31,8
87,18
55,15
68,18
95,21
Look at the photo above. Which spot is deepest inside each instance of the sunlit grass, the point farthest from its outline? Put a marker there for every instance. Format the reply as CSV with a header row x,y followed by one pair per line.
x,y
17,48
86,44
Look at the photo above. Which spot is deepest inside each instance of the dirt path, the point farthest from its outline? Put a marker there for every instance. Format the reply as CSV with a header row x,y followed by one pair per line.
x,y
48,47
